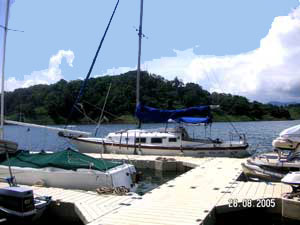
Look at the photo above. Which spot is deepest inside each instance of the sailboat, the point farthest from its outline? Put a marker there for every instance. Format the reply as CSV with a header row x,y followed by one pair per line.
x,y
161,141
65,169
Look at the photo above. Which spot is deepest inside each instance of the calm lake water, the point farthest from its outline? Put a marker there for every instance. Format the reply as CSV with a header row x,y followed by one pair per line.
x,y
259,134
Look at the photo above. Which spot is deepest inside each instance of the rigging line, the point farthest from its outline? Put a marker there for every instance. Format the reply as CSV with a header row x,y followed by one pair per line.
x,y
102,111
228,119
84,114
10,29
92,65
218,83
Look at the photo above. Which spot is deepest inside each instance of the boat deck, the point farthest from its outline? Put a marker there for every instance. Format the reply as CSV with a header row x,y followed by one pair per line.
x,y
192,198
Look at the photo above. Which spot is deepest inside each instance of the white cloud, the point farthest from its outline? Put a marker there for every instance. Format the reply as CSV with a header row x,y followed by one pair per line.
x,y
116,71
46,76
270,72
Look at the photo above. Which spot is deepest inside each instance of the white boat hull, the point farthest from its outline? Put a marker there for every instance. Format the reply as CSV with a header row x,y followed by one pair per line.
x,y
98,145
268,166
256,172
83,179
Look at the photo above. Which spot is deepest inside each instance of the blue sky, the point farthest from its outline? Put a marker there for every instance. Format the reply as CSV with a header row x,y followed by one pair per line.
x,y
238,47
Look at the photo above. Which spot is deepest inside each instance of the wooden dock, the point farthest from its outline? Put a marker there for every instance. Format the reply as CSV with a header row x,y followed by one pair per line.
x,y
192,198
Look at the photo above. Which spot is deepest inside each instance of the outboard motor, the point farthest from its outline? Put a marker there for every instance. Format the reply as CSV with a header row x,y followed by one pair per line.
x,y
17,201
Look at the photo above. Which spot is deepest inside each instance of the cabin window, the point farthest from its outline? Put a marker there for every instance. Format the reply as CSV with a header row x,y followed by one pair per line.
x,y
140,140
172,139
156,140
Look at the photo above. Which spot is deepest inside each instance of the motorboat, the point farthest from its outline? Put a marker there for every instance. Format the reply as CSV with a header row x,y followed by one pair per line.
x,y
275,165
68,169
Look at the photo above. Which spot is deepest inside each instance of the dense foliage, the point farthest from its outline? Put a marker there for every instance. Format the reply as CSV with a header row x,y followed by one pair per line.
x,y
52,103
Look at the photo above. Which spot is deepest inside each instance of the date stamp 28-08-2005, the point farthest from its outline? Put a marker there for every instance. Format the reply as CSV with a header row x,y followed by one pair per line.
x,y
248,203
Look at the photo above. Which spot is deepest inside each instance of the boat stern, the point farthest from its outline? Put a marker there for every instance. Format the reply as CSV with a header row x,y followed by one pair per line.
x,y
124,175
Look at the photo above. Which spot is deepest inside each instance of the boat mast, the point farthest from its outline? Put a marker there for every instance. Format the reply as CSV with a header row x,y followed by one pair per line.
x,y
2,76
11,180
140,33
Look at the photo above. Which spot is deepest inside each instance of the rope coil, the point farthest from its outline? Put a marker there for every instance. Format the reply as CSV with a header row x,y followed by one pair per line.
x,y
116,190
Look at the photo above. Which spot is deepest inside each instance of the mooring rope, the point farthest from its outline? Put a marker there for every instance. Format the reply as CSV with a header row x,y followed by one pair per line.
x,y
116,190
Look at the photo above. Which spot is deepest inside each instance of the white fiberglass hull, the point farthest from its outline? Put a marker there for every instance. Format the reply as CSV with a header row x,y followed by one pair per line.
x,y
83,179
99,145
268,166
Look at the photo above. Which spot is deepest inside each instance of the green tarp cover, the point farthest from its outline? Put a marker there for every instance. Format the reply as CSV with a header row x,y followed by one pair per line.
x,y
67,159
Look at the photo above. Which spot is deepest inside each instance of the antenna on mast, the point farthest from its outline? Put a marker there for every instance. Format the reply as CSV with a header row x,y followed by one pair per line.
x,y
11,29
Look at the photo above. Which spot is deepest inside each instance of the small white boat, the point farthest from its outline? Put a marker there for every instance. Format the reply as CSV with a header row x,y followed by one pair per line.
x,y
275,165
68,169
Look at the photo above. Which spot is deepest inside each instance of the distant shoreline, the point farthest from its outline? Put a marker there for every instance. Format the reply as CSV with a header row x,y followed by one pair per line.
x,y
51,104
129,119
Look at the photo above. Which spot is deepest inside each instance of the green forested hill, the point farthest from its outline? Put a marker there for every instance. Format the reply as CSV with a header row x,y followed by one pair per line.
x,y
50,104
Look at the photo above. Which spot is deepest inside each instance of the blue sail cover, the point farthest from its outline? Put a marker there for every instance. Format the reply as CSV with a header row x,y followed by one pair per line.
x,y
194,120
149,114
